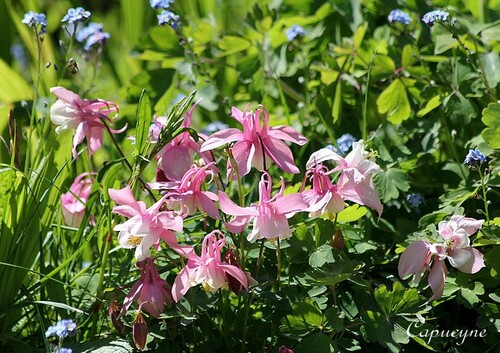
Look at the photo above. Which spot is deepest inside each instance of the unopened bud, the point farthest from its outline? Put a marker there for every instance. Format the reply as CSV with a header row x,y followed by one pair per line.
x,y
114,312
337,241
140,331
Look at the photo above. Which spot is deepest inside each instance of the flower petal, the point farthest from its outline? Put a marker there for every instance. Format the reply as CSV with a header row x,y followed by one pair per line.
x,y
287,133
221,138
414,259
437,277
229,207
281,154
322,155
475,262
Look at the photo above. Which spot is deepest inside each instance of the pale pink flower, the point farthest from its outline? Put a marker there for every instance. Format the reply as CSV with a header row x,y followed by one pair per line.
x,y
86,116
270,215
355,182
207,269
324,196
145,227
150,292
177,156
73,202
257,142
188,192
456,249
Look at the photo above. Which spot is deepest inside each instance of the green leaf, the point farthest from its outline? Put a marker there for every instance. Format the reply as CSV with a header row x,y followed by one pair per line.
x,y
382,66
305,317
394,102
491,64
459,109
397,300
13,88
323,255
432,104
390,183
351,214
337,101
321,343
233,44
491,118
108,345
144,118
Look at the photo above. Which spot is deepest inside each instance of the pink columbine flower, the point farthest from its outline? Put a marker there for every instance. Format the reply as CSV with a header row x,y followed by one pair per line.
x,y
86,116
73,202
324,196
257,141
270,215
456,248
145,227
150,292
207,269
355,181
176,158
188,192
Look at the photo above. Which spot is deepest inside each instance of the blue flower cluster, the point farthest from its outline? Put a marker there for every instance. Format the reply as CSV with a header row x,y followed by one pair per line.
x,y
63,350
345,142
161,4
435,16
415,199
474,158
295,31
92,35
168,17
399,16
34,20
61,329
78,14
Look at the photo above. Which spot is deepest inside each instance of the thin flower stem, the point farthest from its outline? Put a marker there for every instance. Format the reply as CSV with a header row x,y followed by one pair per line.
x,y
485,200
364,126
278,264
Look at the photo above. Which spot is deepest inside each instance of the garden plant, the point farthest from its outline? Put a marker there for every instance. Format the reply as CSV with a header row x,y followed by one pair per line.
x,y
249,176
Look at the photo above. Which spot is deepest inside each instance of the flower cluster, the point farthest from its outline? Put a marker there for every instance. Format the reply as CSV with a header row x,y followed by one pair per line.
x,y
92,35
475,158
399,16
166,17
62,329
415,199
78,14
295,31
435,16
37,21
73,202
87,117
456,248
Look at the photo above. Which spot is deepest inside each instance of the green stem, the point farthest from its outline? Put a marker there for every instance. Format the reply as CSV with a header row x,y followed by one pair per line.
x,y
485,200
364,123
278,264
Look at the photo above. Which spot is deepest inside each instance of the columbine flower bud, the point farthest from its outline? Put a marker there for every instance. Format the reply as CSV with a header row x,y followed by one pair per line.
x,y
140,331
337,241
114,312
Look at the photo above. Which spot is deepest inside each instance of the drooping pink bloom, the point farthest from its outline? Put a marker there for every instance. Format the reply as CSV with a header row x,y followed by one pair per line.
x,y
73,202
324,196
145,227
150,292
270,215
256,142
177,156
207,269
355,182
189,194
86,116
456,248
